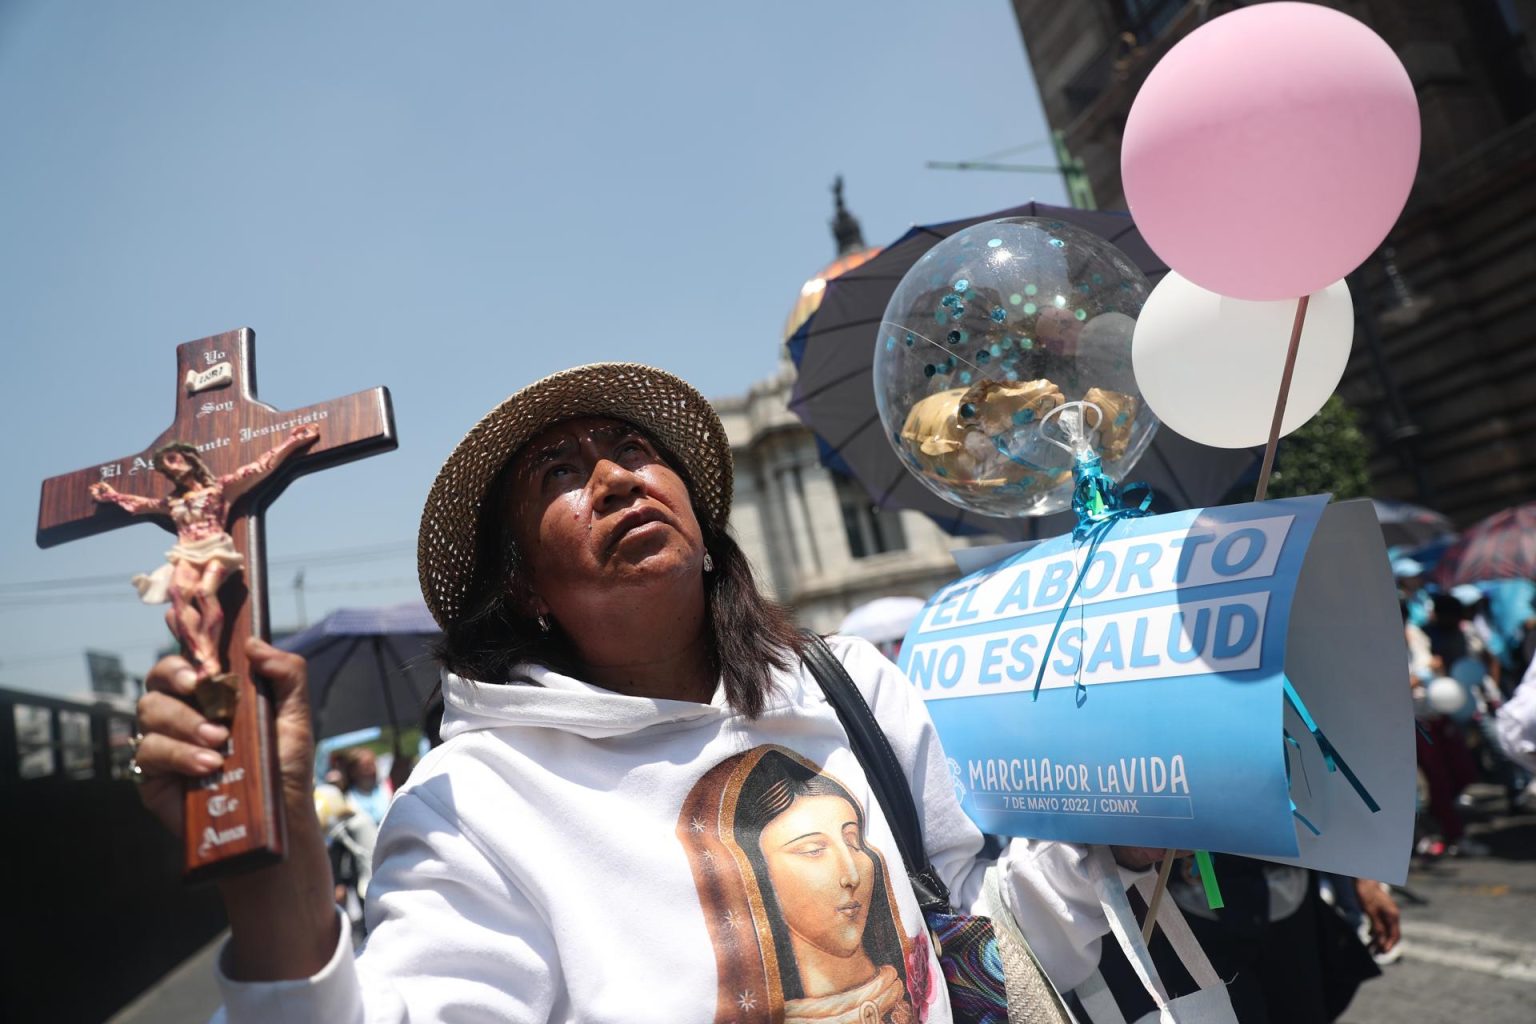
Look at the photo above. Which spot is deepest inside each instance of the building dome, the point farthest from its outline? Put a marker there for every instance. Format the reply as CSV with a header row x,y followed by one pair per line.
x,y
851,252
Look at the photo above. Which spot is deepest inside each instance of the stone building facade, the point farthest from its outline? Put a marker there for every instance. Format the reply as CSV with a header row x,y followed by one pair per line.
x,y
814,539
1443,372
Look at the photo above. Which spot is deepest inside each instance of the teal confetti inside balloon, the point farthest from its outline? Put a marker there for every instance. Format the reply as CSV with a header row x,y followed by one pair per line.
x,y
976,286
890,344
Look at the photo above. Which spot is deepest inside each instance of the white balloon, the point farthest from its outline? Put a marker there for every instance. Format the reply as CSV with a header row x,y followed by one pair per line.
x,y
1209,366
1450,698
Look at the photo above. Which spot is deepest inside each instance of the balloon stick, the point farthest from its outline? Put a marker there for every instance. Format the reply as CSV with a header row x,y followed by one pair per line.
x,y
1269,464
1158,892
1285,392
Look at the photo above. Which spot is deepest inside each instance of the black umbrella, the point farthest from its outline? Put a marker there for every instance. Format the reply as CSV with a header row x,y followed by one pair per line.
x,y
368,667
834,394
1407,525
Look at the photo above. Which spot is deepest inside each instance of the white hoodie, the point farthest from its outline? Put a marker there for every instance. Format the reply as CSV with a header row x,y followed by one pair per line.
x,y
539,867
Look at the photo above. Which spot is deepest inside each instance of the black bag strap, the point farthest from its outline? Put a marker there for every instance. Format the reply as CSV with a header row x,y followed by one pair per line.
x,y
889,782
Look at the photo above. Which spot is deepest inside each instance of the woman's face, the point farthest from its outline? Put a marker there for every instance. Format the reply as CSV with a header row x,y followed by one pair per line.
x,y
820,872
592,504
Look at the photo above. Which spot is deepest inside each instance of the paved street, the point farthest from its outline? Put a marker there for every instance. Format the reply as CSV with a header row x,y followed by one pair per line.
x,y
1469,935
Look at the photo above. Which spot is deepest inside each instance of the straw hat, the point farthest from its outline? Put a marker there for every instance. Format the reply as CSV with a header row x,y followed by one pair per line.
x,y
664,406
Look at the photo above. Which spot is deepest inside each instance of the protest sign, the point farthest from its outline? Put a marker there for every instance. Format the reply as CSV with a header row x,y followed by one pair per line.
x,y
1149,708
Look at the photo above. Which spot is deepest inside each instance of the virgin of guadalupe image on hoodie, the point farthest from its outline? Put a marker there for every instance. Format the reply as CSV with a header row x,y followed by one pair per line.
x,y
799,905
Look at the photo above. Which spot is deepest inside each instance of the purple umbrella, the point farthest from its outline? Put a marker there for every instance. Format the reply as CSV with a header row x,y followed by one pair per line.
x,y
1501,547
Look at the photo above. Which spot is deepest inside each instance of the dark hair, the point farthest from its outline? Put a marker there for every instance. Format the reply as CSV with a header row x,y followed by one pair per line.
x,y
770,789
199,467
348,762
1448,611
749,636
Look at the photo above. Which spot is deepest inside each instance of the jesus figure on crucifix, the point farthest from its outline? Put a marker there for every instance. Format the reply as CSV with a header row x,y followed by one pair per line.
x,y
204,557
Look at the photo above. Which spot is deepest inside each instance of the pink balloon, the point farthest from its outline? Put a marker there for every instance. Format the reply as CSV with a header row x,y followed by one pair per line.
x,y
1269,153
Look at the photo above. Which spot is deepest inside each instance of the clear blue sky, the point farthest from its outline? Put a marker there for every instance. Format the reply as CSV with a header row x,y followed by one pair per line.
x,y
446,199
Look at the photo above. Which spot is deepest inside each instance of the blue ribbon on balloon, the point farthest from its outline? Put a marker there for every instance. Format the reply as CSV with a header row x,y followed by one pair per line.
x,y
1290,741
1331,756
1099,505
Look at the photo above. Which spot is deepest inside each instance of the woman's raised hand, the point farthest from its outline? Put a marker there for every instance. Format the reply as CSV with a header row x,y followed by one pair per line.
x,y
179,743
283,923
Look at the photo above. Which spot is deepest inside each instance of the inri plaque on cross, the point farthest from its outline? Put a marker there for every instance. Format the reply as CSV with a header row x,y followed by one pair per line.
x,y
207,478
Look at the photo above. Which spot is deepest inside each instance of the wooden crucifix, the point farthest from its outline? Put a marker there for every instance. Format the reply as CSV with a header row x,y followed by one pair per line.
x,y
207,478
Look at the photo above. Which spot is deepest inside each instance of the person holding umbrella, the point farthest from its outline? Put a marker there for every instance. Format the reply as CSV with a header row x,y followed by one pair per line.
x,y
612,680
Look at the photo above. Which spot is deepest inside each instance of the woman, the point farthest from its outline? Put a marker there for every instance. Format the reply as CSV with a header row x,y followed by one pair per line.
x,y
605,650
360,776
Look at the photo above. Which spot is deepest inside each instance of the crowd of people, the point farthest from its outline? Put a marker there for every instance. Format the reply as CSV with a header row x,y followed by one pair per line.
x,y
350,804
1469,649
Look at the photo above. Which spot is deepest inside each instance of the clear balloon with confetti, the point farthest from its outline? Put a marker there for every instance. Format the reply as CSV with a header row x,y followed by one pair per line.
x,y
1004,359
